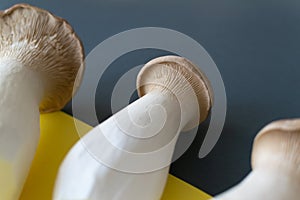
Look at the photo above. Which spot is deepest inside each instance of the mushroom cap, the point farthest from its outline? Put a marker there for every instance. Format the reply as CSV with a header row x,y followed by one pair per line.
x,y
278,146
46,44
156,72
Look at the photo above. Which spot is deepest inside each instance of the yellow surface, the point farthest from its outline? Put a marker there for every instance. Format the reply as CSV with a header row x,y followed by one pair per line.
x,y
58,134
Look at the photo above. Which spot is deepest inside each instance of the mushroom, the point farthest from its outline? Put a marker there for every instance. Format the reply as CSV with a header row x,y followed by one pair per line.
x,y
276,165
128,155
40,57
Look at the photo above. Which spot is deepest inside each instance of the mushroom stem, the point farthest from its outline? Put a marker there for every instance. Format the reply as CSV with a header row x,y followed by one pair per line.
x,y
21,91
275,161
109,179
128,155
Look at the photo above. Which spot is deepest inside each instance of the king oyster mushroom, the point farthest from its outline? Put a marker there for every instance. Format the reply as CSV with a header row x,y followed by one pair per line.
x,y
276,165
40,57
128,155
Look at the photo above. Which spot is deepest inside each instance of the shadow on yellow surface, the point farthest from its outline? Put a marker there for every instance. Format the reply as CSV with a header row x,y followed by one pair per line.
x,y
58,135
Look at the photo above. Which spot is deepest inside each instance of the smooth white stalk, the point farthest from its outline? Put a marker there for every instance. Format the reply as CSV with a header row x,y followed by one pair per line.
x,y
153,121
21,91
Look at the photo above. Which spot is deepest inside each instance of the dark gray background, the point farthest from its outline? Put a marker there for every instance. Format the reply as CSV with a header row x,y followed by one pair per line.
x,y
254,43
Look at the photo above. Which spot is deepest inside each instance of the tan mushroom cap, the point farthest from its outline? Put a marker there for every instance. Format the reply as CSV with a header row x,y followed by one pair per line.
x,y
278,145
46,44
154,72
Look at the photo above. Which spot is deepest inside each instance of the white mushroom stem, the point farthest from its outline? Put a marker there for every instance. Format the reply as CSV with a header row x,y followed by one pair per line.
x,y
276,165
81,176
21,91
128,155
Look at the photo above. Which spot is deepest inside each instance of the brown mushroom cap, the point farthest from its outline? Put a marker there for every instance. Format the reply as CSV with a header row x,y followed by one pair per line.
x,y
156,72
46,44
278,146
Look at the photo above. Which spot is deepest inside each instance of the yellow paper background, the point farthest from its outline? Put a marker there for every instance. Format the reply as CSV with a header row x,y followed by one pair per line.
x,y
58,134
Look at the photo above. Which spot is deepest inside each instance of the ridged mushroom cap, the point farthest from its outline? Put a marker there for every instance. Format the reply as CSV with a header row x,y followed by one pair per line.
x,y
278,146
167,71
46,44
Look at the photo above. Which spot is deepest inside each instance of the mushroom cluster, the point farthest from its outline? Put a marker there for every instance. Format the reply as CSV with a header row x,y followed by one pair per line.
x,y
40,58
127,156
